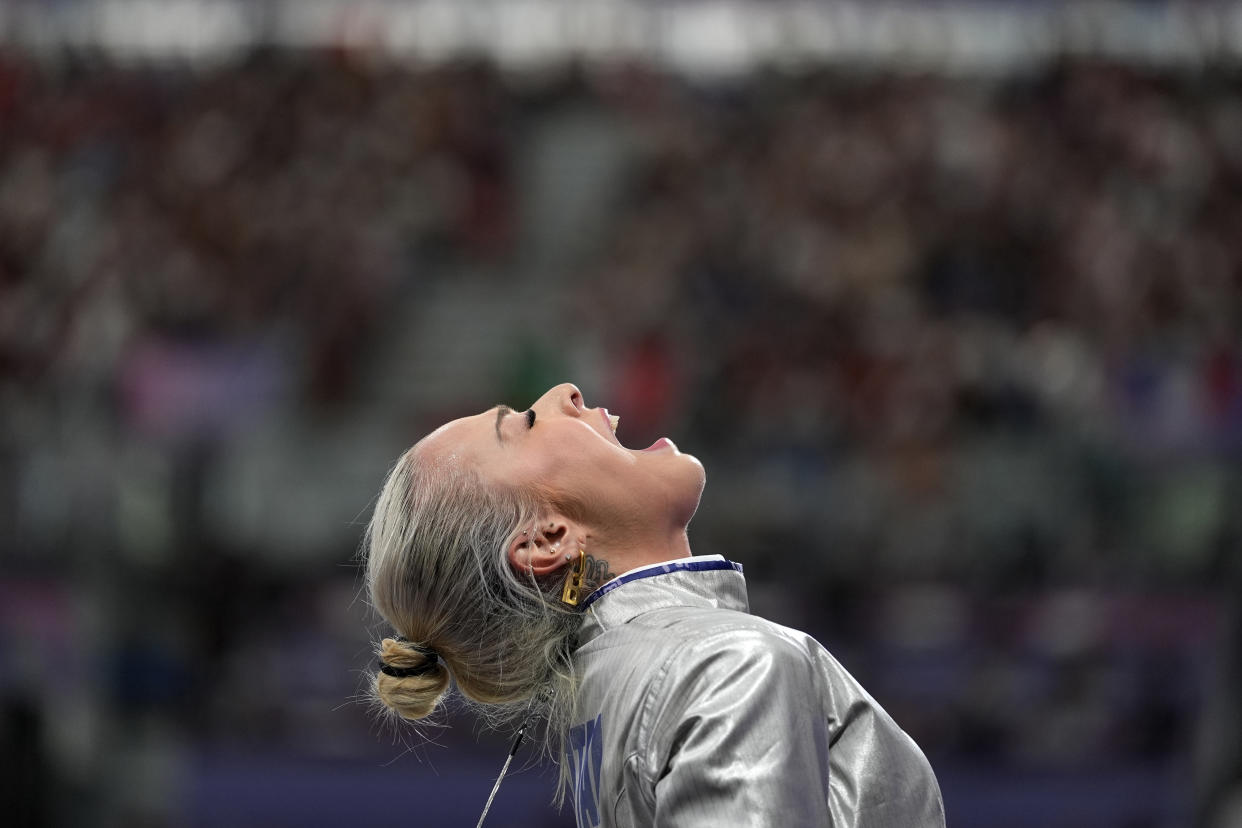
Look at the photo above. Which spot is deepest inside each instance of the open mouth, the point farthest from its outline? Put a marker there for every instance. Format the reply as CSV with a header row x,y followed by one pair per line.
x,y
612,420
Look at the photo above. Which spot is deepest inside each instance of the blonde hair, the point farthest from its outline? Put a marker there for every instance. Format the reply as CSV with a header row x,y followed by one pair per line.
x,y
437,570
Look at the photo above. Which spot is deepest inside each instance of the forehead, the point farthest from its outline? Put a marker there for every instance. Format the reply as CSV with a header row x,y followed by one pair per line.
x,y
457,436
471,440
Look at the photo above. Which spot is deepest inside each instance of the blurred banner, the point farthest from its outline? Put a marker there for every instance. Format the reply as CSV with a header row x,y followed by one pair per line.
x,y
700,36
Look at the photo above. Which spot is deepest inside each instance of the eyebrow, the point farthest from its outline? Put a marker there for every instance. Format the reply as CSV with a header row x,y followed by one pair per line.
x,y
501,411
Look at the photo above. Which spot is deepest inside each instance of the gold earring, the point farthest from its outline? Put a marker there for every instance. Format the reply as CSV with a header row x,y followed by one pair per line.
x,y
572,592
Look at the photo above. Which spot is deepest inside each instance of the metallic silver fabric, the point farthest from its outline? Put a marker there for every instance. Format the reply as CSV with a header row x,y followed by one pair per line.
x,y
695,714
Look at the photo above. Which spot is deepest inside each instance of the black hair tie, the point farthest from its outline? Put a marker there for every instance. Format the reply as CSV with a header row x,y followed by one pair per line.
x,y
405,672
431,663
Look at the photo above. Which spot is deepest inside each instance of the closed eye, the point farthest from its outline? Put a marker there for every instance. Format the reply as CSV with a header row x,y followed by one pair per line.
x,y
530,418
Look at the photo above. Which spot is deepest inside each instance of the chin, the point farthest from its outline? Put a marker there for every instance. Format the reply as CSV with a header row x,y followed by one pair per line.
x,y
690,490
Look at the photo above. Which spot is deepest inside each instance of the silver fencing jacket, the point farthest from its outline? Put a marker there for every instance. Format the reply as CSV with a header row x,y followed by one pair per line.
x,y
695,714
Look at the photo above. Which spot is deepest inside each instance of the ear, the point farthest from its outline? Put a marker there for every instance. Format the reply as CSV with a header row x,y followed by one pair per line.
x,y
542,550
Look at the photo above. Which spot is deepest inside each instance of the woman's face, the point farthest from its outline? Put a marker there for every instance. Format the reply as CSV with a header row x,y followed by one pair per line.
x,y
571,451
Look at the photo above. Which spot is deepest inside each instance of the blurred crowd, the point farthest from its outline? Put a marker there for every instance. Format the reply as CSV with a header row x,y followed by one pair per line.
x,y
806,271
149,210
1052,250
962,357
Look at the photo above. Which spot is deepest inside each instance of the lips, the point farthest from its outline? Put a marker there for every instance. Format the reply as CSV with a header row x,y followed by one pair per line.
x,y
662,443
610,425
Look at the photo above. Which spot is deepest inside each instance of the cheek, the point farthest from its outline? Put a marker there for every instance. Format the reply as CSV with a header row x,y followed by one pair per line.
x,y
557,468
602,483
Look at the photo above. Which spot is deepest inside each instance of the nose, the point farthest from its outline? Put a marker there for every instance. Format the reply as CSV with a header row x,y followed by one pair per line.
x,y
565,398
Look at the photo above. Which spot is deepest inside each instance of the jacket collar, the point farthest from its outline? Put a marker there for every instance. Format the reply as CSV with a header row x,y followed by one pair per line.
x,y
704,581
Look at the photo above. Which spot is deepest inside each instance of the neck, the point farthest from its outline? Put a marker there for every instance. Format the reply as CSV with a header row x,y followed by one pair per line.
x,y
606,560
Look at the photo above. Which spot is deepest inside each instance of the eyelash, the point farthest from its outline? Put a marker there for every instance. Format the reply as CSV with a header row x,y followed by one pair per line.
x,y
530,418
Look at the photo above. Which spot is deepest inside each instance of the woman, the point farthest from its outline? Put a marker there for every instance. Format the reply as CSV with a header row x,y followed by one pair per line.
x,y
540,563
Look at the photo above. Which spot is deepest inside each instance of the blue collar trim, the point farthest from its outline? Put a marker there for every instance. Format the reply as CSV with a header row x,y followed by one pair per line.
x,y
660,569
